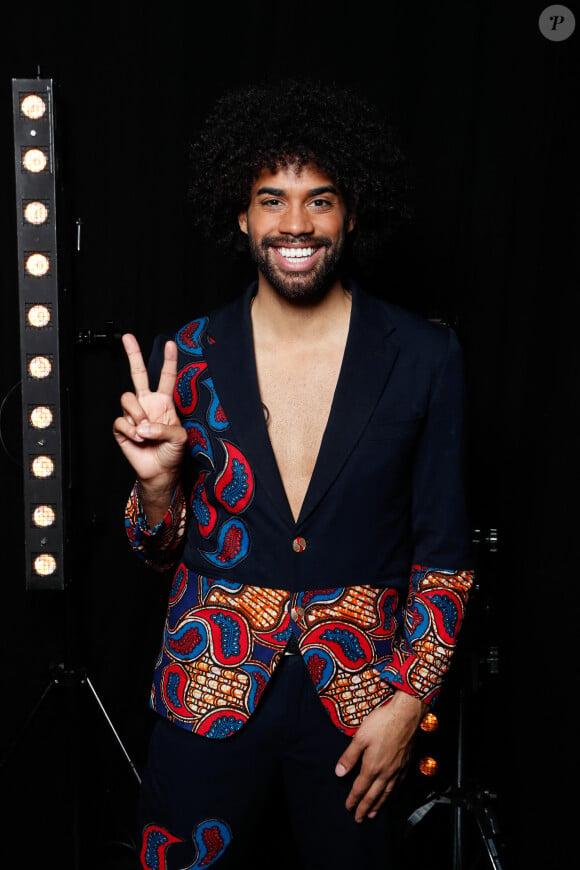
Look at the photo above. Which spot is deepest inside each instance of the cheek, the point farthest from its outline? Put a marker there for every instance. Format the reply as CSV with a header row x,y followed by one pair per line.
x,y
336,229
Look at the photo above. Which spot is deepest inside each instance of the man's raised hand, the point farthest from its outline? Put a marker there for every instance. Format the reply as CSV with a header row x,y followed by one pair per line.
x,y
149,432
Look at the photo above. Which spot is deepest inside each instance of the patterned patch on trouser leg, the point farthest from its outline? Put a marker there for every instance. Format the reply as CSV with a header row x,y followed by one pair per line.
x,y
211,839
156,841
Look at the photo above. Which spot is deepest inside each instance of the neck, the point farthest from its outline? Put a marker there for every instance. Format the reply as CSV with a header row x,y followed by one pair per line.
x,y
280,320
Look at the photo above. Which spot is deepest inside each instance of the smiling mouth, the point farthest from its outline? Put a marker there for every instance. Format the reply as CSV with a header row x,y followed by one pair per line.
x,y
296,258
296,253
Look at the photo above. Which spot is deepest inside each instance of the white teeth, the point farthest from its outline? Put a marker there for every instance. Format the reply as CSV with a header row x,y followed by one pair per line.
x,y
296,253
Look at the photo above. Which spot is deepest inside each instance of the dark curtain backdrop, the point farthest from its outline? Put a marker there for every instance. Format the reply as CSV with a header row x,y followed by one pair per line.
x,y
488,113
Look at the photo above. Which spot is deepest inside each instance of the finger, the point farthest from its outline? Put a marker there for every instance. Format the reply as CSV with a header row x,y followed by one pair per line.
x,y
349,757
123,430
367,804
382,798
358,798
168,374
132,409
391,782
369,793
137,367
376,796
169,434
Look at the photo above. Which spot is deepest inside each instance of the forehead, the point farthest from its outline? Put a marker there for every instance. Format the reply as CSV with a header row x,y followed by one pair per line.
x,y
293,178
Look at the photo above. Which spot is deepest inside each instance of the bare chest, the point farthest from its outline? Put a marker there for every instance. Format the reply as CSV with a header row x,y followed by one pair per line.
x,y
297,391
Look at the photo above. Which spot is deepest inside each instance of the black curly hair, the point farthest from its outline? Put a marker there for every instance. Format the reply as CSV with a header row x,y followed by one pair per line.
x,y
297,122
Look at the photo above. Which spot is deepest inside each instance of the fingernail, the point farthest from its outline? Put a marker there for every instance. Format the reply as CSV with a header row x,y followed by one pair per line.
x,y
373,814
143,429
340,770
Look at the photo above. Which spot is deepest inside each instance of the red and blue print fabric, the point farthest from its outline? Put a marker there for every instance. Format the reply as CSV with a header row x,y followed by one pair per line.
x,y
223,638
359,644
210,837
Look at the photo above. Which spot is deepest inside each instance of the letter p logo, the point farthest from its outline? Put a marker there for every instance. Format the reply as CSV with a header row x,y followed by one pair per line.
x,y
556,23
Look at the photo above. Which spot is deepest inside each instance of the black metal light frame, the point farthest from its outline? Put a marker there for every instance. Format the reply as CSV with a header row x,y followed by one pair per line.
x,y
43,450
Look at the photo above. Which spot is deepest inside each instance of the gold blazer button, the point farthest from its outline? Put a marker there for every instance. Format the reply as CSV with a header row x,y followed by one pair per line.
x,y
299,545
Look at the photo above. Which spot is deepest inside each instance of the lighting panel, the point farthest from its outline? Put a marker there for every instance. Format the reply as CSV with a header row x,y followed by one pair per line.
x,y
40,357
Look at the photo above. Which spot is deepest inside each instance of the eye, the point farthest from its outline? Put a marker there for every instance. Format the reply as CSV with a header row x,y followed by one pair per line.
x,y
321,203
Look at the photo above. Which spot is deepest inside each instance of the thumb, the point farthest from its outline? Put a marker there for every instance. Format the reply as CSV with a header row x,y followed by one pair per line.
x,y
162,432
349,757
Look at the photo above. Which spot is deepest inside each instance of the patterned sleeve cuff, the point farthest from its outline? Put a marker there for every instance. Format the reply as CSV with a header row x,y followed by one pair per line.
x,y
156,546
433,617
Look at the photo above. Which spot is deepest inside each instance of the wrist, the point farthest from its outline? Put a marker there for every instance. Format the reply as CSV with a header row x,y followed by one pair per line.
x,y
157,488
410,704
156,497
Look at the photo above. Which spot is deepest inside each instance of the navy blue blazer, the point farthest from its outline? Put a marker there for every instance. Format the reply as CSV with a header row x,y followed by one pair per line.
x,y
371,579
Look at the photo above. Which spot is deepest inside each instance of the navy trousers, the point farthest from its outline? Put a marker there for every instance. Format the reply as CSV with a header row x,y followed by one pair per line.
x,y
265,797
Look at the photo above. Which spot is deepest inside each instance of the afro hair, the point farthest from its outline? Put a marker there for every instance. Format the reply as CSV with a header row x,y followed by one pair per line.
x,y
295,122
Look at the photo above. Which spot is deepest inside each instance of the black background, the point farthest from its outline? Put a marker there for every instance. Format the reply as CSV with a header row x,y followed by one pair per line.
x,y
488,112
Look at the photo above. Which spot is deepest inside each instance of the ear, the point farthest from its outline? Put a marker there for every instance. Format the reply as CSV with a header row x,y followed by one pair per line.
x,y
350,223
243,221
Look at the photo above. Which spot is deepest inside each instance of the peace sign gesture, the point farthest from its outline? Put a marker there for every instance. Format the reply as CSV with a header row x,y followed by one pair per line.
x,y
150,433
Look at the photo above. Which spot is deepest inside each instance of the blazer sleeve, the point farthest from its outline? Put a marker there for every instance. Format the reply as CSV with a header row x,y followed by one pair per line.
x,y
442,572
158,547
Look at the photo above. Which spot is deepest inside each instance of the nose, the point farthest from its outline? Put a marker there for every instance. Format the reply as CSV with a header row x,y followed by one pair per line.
x,y
296,220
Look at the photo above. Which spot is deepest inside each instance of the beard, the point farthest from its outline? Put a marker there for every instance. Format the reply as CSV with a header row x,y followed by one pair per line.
x,y
299,288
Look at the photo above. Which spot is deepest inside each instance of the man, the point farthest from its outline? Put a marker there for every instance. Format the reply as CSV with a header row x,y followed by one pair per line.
x,y
298,460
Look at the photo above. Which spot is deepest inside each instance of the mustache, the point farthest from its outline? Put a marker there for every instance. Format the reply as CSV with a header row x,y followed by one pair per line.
x,y
295,241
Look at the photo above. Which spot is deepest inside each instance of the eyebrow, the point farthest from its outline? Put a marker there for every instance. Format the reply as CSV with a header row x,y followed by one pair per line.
x,y
315,191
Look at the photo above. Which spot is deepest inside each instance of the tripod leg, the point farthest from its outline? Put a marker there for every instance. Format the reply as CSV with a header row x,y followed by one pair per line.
x,y
458,810
458,838
87,681
488,828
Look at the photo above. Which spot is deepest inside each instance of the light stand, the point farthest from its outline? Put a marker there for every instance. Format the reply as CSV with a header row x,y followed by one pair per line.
x,y
464,801
46,417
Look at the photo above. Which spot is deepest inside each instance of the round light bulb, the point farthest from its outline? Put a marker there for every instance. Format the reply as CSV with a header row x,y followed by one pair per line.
x,y
45,564
43,516
428,766
42,466
37,265
430,722
38,315
34,160
41,417
39,367
36,213
33,107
